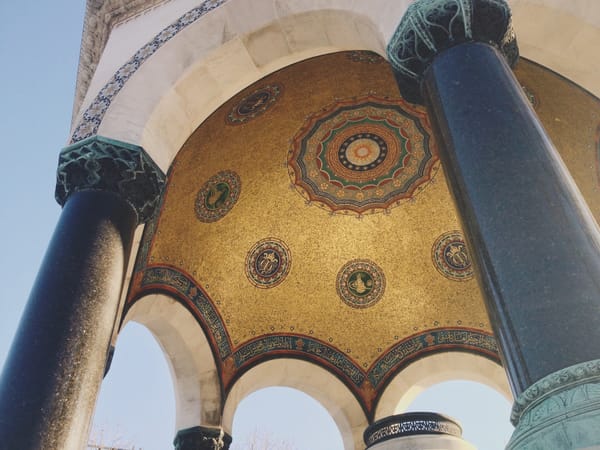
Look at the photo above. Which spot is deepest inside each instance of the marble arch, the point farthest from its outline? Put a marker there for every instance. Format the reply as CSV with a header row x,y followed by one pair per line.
x,y
233,54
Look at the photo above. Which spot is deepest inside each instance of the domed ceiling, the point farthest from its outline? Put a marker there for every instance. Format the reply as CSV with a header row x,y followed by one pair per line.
x,y
309,217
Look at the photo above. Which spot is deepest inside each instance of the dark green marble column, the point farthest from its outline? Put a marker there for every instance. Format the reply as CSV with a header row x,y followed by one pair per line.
x,y
202,438
535,244
53,372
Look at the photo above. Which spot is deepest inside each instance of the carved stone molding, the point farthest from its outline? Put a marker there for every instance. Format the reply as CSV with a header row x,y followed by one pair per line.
x,y
561,408
99,163
202,438
431,26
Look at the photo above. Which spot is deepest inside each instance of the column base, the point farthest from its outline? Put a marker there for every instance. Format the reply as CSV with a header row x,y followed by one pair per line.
x,y
202,438
561,411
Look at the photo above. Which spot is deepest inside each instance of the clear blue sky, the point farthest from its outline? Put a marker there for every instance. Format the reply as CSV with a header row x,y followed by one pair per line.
x,y
39,50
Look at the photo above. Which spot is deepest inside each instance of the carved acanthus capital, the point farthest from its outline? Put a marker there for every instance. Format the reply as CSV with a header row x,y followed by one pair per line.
x,y
99,163
431,26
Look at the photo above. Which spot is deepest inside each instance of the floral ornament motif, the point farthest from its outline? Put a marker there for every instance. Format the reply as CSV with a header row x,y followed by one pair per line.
x,y
268,262
360,283
217,196
255,104
451,257
362,156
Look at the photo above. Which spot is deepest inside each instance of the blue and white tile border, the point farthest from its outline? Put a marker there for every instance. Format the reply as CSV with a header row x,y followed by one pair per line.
x,y
93,115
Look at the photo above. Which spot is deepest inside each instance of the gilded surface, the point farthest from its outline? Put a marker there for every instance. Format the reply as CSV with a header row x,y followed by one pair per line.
x,y
305,305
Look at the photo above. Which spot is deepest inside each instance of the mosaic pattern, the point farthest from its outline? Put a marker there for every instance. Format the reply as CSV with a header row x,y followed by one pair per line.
x,y
415,346
364,56
93,115
362,156
217,196
268,263
451,257
254,104
360,283
180,284
291,344
366,382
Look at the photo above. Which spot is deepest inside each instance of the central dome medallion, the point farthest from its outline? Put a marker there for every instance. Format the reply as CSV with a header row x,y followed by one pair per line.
x,y
362,156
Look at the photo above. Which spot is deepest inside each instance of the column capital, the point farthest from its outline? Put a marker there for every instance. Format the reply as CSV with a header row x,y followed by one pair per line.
x,y
99,163
202,438
431,26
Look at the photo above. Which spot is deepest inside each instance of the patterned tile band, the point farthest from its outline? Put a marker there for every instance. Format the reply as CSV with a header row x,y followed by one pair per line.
x,y
410,424
294,345
187,288
304,345
92,117
413,346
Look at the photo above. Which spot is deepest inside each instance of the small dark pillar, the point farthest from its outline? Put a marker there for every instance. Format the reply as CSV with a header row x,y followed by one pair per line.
x,y
534,241
57,360
202,438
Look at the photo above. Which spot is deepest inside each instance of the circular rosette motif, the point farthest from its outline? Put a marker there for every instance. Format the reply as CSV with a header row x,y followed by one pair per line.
x,y
217,196
451,257
268,263
254,105
360,283
362,156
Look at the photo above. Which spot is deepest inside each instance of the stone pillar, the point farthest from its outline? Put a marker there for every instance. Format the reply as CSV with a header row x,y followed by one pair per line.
x,y
416,430
202,438
52,374
535,244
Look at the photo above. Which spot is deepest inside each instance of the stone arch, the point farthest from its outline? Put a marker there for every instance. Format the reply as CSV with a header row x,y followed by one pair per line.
x,y
310,379
189,356
437,368
188,75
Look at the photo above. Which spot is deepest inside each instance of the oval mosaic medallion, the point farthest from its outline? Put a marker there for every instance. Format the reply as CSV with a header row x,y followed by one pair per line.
x,y
268,263
451,257
217,196
360,283
254,104
362,156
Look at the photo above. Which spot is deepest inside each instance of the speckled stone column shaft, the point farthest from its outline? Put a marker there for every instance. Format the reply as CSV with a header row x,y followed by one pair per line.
x,y
51,377
535,244
534,241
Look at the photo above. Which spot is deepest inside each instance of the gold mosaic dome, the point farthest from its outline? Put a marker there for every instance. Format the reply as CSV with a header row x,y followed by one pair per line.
x,y
309,217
